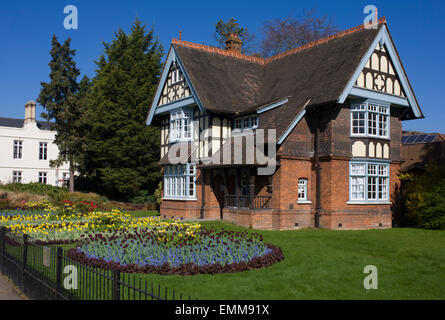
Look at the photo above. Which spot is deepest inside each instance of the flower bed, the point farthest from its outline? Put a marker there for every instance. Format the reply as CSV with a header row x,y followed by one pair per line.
x,y
173,251
114,240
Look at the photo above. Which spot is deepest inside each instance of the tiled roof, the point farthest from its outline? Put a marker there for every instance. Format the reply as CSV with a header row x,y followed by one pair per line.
x,y
18,123
233,83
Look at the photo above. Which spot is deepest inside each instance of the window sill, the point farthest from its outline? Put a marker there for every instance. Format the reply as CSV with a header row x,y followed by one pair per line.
x,y
368,202
180,199
361,136
181,140
304,202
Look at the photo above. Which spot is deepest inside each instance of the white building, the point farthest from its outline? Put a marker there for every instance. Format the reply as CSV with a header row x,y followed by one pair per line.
x,y
26,148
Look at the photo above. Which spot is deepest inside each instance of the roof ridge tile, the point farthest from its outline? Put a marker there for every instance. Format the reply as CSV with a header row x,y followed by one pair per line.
x,y
263,61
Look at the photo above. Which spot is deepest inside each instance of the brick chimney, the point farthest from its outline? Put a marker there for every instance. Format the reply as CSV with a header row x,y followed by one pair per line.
x,y
234,43
30,112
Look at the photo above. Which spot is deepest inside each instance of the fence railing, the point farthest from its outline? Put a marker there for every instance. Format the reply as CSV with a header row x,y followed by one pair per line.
x,y
47,273
246,202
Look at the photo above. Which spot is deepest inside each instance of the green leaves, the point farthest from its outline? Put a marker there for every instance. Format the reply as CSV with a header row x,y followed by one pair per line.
x,y
63,101
121,152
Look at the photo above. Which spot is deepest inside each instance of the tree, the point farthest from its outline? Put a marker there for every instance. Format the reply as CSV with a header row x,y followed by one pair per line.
x,y
225,29
62,103
282,34
121,152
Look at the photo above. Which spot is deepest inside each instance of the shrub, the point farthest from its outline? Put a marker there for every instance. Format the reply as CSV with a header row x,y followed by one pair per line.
x,y
432,208
17,199
158,194
426,198
143,197
35,188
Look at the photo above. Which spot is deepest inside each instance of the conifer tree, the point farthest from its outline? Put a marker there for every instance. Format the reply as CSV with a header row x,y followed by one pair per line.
x,y
121,151
63,105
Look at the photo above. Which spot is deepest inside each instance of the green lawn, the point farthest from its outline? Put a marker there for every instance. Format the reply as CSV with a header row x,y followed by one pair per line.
x,y
321,264
325,264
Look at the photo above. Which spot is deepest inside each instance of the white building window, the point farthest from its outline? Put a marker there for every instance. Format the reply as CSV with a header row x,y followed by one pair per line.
x,y
17,150
370,120
181,125
180,181
302,190
66,179
43,151
369,181
42,177
246,122
17,177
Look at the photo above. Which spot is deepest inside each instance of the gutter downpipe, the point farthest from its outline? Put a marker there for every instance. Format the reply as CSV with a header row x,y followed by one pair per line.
x,y
317,170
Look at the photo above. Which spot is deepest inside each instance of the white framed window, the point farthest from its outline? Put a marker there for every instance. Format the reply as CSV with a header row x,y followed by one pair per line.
x,y
368,119
43,177
368,182
43,151
176,75
17,177
181,125
180,181
246,122
17,149
302,190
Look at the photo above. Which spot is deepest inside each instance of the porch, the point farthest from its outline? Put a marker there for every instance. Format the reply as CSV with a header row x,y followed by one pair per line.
x,y
251,202
241,189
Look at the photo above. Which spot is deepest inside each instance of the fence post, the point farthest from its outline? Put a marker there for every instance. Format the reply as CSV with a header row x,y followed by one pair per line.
x,y
116,285
24,260
59,272
3,248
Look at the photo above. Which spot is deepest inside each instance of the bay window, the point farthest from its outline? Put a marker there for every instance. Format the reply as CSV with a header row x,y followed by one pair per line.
x,y
369,119
180,181
369,181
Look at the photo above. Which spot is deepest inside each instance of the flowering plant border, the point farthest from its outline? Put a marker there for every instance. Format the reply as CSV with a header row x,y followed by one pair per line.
x,y
274,256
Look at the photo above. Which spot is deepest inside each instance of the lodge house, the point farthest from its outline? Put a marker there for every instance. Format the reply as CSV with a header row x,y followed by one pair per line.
x,y
331,115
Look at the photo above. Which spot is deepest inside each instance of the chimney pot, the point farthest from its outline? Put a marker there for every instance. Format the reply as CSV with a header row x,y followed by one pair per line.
x,y
234,43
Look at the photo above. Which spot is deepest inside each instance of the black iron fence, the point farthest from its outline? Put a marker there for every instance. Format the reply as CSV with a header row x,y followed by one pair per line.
x,y
47,273
246,202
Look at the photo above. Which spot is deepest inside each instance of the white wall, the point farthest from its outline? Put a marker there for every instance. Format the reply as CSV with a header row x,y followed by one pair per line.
x,y
29,165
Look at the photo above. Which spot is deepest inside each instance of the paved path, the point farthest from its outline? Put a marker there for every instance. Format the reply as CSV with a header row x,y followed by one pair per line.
x,y
8,291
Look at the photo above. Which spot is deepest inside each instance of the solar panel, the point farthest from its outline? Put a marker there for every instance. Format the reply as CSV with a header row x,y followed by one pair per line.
x,y
421,138
411,138
404,138
430,139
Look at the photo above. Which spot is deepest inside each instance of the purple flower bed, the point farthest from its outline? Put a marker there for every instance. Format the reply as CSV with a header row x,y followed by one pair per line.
x,y
208,251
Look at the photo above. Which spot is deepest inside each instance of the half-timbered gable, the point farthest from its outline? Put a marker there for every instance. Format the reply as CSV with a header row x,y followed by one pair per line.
x,y
175,86
379,74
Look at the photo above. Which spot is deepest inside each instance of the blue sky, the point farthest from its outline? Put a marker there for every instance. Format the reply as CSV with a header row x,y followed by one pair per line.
x,y
26,28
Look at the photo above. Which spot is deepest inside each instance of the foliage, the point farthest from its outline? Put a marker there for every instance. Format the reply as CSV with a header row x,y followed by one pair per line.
x,y
63,103
143,197
121,152
425,195
158,193
282,34
34,187
225,29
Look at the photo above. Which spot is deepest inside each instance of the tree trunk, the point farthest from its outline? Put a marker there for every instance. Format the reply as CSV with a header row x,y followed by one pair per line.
x,y
71,189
